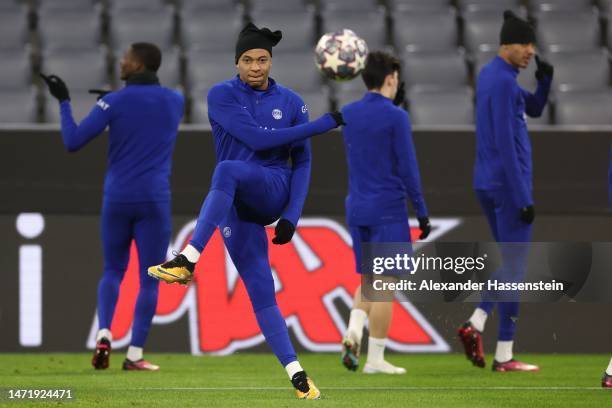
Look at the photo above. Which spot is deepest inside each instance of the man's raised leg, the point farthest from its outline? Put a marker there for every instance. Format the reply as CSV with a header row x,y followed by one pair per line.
x,y
228,177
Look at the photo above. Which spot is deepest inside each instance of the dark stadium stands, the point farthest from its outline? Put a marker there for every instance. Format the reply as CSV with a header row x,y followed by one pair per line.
x,y
157,26
568,30
435,70
581,70
416,5
19,106
425,30
442,43
14,30
560,5
15,70
369,25
211,31
583,108
488,5
442,106
85,30
298,27
481,29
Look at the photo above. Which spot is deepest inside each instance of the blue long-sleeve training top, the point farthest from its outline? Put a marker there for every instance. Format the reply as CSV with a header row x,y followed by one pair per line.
x,y
266,127
503,149
382,163
143,121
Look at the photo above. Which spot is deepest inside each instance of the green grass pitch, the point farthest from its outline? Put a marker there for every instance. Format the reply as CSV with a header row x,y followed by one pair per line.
x,y
257,380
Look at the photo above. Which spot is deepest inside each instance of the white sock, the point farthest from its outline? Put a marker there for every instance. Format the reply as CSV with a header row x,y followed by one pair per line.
x,y
478,319
609,369
292,368
376,349
356,324
134,353
503,352
104,333
191,254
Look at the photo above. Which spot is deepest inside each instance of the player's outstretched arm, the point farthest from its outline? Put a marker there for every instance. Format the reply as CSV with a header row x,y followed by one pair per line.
x,y
224,109
76,136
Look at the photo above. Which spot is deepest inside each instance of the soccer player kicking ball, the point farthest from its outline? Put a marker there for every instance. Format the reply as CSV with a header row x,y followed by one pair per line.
x,y
257,125
502,177
143,120
383,169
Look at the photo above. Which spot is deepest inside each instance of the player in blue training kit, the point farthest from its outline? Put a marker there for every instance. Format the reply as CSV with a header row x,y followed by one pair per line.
x,y
502,178
383,170
258,125
143,120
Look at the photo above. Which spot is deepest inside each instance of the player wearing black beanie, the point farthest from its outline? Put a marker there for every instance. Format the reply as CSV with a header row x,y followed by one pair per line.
x,y
252,37
261,130
503,179
515,30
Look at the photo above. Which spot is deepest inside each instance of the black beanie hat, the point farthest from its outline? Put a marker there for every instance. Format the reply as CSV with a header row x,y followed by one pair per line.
x,y
516,30
252,37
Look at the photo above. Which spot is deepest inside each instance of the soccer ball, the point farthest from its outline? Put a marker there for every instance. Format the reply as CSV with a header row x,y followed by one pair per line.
x,y
341,55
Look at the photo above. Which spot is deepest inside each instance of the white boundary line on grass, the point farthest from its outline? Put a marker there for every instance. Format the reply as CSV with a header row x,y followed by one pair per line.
x,y
364,388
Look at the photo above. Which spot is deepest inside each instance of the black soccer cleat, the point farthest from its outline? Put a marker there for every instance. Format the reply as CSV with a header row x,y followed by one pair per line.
x,y
101,357
304,387
176,270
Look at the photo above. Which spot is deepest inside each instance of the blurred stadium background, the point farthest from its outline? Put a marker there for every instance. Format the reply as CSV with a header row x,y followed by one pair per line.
x,y
49,211
442,43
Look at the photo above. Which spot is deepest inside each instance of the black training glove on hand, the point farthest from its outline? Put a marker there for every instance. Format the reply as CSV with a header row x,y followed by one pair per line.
x,y
527,214
424,226
338,118
57,87
100,92
544,69
400,96
283,232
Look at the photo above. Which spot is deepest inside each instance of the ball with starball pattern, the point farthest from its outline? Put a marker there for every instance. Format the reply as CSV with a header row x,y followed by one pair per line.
x,y
341,55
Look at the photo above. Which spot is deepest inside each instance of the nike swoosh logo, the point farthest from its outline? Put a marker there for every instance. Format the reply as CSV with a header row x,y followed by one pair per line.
x,y
167,273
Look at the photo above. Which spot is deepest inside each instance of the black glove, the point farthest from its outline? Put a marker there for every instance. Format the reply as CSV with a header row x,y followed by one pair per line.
x,y
400,96
338,118
527,214
100,92
544,69
424,226
57,87
283,232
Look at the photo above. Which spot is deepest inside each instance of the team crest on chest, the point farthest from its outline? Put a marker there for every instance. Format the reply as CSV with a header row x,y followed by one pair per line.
x,y
227,232
277,114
